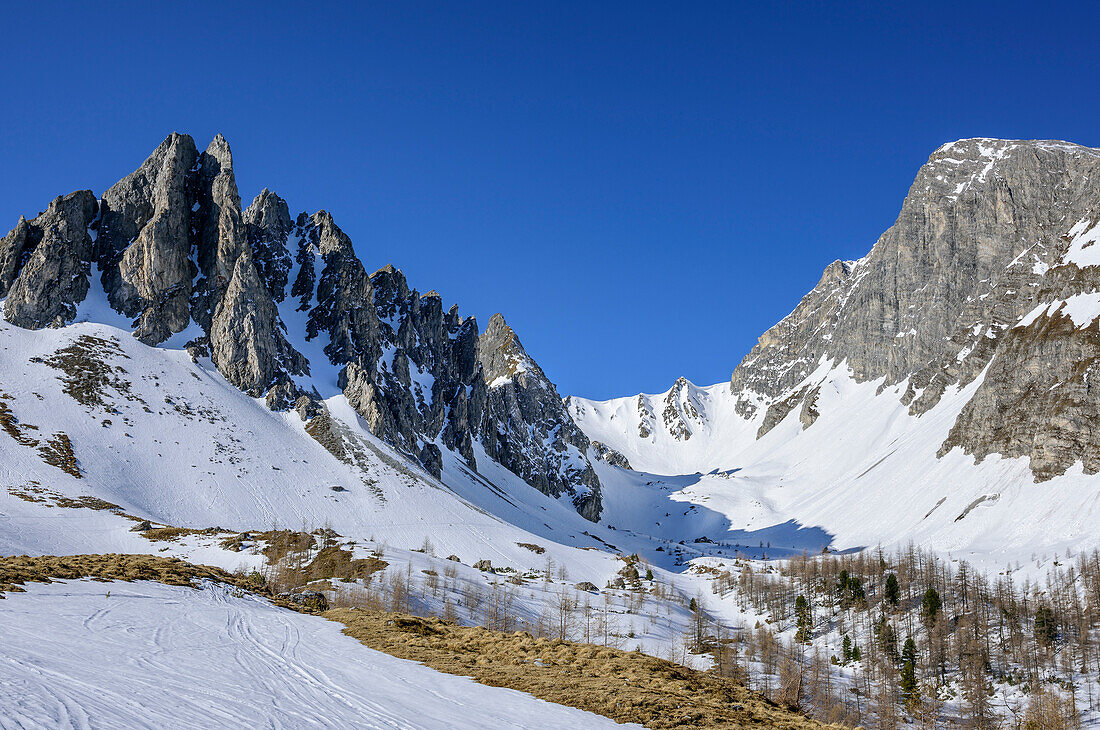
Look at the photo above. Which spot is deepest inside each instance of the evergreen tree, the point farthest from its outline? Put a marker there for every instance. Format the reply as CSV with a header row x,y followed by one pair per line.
x,y
887,637
846,649
893,592
910,690
930,606
804,619
1046,628
855,590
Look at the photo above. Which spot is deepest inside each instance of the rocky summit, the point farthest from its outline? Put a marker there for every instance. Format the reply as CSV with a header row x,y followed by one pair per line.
x,y
286,311
987,273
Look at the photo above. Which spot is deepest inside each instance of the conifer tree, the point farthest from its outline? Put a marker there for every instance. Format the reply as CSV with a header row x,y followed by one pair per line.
x,y
893,592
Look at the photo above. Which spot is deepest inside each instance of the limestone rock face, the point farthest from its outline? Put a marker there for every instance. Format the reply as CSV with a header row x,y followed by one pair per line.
x,y
176,251
145,241
45,263
990,231
525,425
246,341
219,230
267,225
609,455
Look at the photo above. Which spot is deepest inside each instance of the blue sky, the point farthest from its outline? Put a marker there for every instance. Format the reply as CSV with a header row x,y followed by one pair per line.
x,y
642,189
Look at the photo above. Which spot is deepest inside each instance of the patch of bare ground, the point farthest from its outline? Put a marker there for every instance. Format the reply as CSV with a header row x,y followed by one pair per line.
x,y
624,686
86,373
171,534
35,492
58,451
15,571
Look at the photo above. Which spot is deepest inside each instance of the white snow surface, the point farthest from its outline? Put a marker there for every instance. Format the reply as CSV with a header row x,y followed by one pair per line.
x,y
1083,248
80,654
866,473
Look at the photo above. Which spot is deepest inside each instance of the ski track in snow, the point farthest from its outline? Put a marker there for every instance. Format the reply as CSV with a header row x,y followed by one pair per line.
x,y
156,656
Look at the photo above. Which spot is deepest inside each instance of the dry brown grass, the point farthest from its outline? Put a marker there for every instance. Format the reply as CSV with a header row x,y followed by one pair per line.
x,y
86,373
11,425
536,549
335,562
625,686
170,534
58,451
20,569
35,492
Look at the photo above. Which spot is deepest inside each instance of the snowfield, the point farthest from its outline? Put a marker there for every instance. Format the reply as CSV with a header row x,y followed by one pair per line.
x,y
865,474
83,654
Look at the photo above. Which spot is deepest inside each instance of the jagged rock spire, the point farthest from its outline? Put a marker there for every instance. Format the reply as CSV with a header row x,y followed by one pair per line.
x,y
175,248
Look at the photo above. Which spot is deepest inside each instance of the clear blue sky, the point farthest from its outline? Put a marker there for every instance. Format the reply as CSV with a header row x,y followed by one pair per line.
x,y
641,189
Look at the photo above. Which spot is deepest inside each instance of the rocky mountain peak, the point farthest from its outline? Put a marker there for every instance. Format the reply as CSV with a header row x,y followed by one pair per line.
x,y
285,309
683,410
978,243
502,355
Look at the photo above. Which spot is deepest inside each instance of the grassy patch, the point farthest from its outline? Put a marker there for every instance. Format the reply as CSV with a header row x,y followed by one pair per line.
x,y
11,425
58,451
169,534
86,374
21,569
35,492
536,549
335,562
625,686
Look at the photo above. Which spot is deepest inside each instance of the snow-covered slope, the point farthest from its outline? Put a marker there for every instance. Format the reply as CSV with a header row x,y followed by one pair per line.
x,y
170,440
866,473
216,657
941,389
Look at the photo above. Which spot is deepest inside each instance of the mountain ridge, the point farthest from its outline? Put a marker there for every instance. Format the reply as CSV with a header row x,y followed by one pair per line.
x,y
255,291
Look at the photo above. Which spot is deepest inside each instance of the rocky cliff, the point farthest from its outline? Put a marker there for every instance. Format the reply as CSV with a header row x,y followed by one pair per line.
x,y
285,309
980,277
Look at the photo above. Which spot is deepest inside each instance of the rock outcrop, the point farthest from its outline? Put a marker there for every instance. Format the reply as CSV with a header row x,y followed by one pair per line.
x,y
144,241
984,236
45,263
176,252
526,426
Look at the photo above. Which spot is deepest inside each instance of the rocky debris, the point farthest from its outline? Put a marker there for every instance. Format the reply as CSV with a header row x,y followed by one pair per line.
x,y
175,249
484,566
45,263
609,455
312,600
454,559
142,526
587,587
